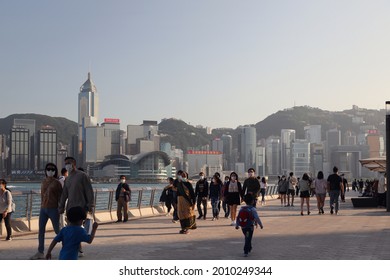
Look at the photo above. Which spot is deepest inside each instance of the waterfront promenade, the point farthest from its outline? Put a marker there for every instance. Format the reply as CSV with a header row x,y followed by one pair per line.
x,y
354,234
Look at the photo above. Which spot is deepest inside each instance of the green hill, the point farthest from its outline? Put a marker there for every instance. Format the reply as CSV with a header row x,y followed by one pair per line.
x,y
65,128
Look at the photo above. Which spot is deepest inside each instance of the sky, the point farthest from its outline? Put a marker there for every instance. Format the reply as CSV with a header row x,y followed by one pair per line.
x,y
216,63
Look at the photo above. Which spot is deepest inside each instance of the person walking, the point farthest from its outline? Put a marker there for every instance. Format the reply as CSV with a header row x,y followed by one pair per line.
x,y
225,206
282,189
6,208
122,197
263,189
185,203
72,235
320,185
248,219
233,196
252,185
201,193
167,195
304,187
335,187
51,191
215,195
292,183
77,191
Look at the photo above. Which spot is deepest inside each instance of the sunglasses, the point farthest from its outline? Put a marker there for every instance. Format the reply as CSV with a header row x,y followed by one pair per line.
x,y
50,169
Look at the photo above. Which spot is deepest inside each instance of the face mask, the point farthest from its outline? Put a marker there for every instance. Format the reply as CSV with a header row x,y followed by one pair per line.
x,y
69,167
50,173
201,177
123,181
184,179
179,178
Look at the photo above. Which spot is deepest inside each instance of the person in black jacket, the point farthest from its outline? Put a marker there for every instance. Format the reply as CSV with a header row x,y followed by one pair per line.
x,y
122,196
201,193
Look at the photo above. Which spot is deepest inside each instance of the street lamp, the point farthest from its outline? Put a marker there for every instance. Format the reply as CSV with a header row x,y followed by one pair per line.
x,y
388,155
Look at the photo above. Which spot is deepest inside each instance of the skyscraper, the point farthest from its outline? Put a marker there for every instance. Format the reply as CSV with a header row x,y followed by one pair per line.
x,y
227,151
88,113
273,155
286,140
247,146
313,133
47,146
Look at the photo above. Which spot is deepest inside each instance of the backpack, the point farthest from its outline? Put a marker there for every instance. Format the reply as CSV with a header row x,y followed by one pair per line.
x,y
245,217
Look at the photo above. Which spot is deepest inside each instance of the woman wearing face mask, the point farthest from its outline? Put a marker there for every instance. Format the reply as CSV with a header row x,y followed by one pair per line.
x,y
185,203
6,207
233,196
51,191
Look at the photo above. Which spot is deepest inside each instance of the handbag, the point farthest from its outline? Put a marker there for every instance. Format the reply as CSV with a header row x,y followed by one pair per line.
x,y
127,197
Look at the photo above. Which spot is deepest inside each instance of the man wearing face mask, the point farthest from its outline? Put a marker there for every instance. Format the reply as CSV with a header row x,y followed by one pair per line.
x,y
77,190
202,192
51,191
252,185
122,196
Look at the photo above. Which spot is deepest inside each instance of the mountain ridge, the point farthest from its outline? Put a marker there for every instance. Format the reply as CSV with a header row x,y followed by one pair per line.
x,y
183,135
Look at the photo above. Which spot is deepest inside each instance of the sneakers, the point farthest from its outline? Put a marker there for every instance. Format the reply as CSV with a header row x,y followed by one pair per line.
x,y
8,239
233,224
200,217
38,256
118,221
245,255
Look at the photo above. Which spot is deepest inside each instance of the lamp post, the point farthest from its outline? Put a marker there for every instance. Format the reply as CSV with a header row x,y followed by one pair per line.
x,y
388,155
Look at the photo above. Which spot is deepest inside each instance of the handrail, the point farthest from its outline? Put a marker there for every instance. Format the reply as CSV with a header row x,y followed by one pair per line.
x,y
104,200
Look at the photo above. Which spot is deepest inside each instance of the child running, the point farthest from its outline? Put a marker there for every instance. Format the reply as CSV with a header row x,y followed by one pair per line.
x,y
247,219
72,235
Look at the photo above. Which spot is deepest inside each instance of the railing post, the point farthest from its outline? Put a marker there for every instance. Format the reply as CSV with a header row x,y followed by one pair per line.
x,y
152,199
140,201
30,210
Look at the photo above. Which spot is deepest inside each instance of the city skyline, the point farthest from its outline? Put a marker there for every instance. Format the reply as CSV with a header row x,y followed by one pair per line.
x,y
155,60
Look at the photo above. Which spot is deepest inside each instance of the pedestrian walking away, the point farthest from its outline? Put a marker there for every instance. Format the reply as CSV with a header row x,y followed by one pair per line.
x,y
248,219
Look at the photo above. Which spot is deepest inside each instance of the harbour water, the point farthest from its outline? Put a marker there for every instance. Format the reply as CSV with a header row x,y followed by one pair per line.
x,y
26,186
27,197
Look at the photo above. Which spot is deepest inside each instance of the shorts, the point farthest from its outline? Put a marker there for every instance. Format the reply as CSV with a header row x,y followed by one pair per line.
x,y
321,195
291,191
282,192
305,194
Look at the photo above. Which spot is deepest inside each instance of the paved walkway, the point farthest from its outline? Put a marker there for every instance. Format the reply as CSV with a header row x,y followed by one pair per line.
x,y
356,233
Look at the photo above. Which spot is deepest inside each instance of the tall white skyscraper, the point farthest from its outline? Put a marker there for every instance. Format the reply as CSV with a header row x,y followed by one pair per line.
x,y
88,113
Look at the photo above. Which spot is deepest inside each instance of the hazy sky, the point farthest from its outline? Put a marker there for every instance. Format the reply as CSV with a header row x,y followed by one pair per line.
x,y
216,63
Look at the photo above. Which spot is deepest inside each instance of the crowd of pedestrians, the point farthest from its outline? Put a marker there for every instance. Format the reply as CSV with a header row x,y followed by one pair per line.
x,y
72,194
